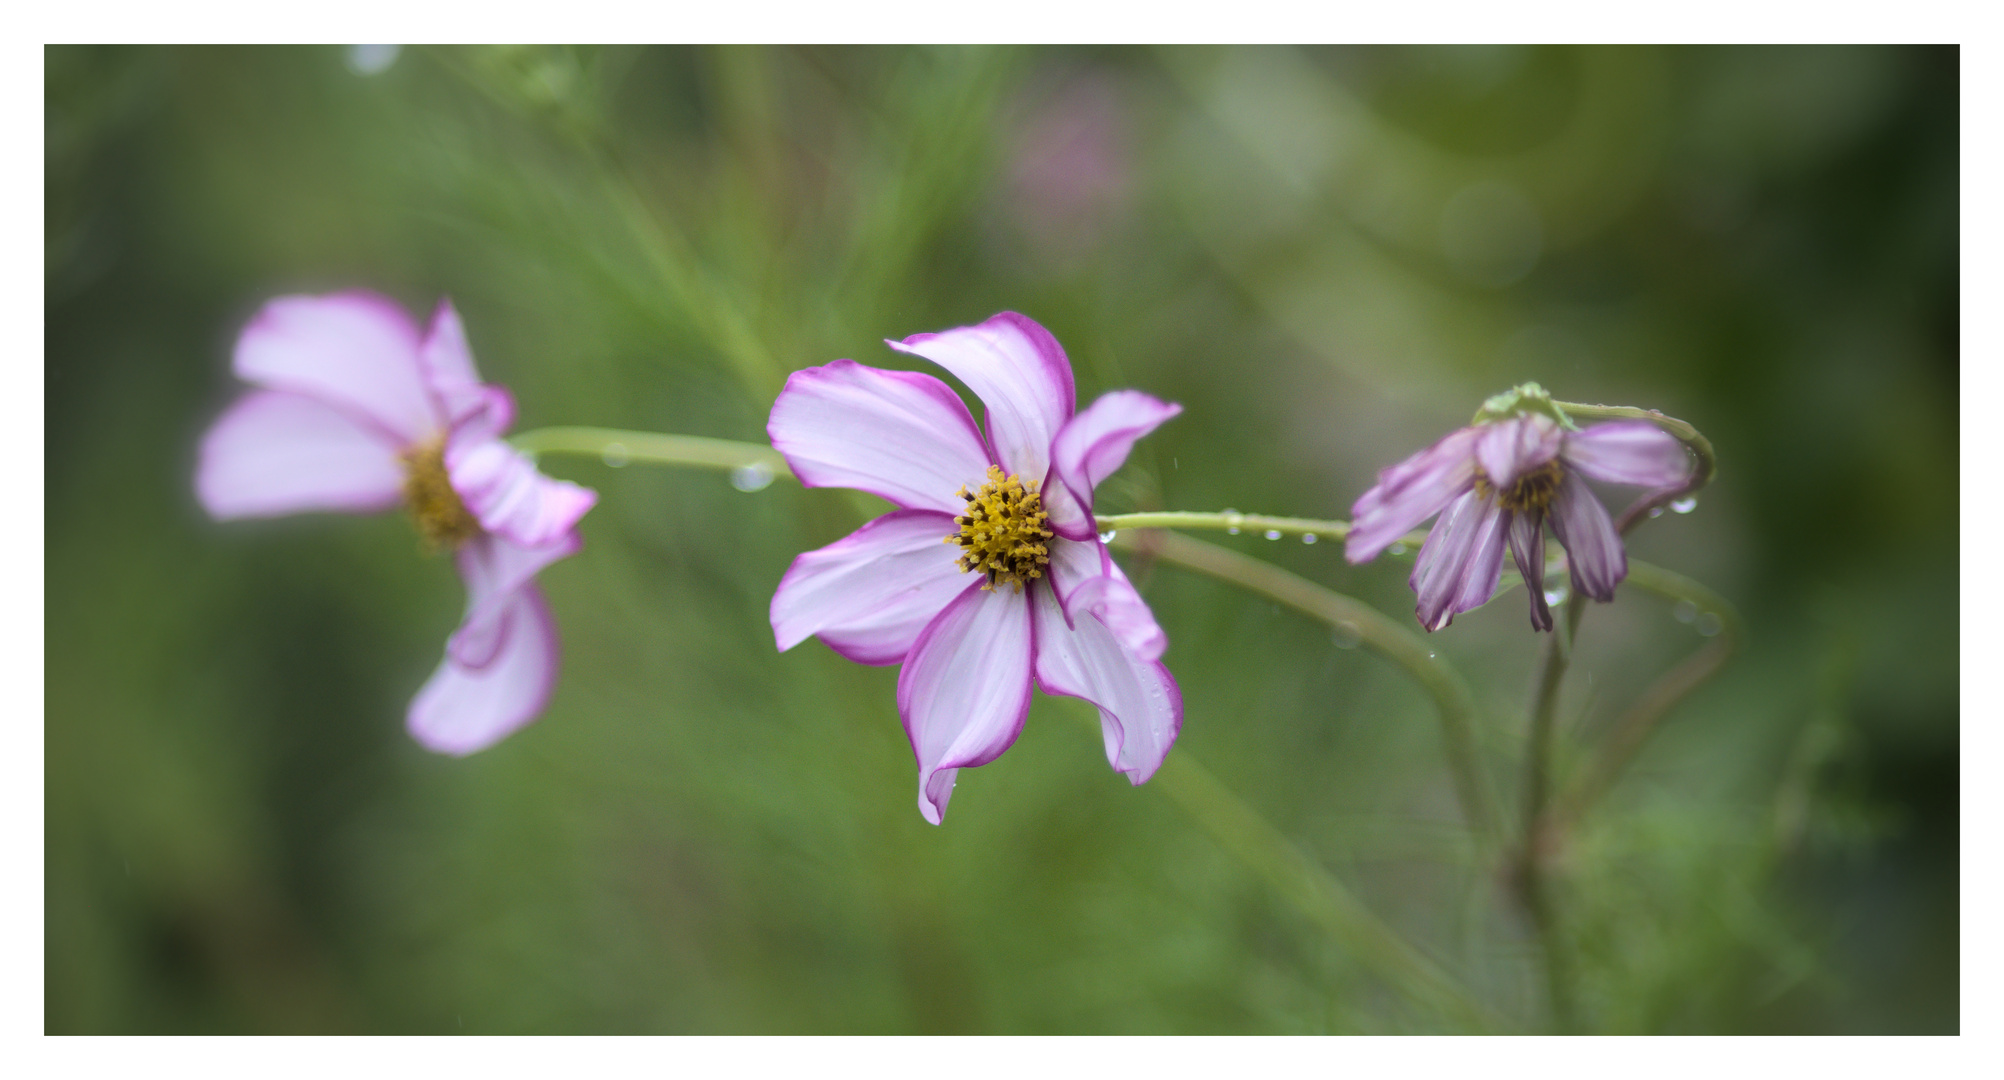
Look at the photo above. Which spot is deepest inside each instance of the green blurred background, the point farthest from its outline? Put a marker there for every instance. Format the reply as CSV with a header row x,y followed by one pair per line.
x,y
1329,256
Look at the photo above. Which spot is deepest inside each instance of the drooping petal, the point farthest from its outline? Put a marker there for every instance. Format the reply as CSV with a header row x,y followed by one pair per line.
x,y
1112,599
1089,448
1508,449
1527,546
965,688
502,488
1628,452
1020,372
445,363
355,350
1461,561
1140,705
277,453
462,709
901,435
1411,492
869,594
1593,548
494,569
1073,563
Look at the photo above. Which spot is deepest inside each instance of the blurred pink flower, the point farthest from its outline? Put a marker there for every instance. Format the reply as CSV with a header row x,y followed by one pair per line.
x,y
1047,603
1069,168
1498,483
355,411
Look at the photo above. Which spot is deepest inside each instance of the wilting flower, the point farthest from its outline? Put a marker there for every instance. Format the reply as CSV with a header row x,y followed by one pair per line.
x,y
1521,465
355,411
990,574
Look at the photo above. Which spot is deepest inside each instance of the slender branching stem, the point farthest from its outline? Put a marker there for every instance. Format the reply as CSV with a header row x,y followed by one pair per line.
x,y
1372,629
620,447
1532,856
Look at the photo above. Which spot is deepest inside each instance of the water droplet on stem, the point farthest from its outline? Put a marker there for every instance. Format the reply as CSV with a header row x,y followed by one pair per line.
x,y
1273,534
615,456
753,477
1308,538
1346,635
1685,506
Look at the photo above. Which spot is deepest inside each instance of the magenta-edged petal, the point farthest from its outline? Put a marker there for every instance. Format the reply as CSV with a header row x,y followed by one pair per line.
x,y
355,350
276,453
1628,452
1527,546
1461,561
1509,449
445,364
965,688
1140,705
870,593
506,493
1073,564
1020,372
462,709
1112,599
1411,492
901,435
494,570
1089,448
1593,548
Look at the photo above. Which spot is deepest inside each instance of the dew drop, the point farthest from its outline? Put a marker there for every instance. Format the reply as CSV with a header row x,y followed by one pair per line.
x,y
1107,536
1708,624
1397,549
1655,511
1555,597
615,456
1233,519
1346,635
1684,506
1273,534
1431,655
1685,611
1309,538
753,477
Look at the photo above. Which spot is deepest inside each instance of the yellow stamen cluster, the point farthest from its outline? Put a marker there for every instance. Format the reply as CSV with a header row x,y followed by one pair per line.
x,y
1532,491
441,518
1002,533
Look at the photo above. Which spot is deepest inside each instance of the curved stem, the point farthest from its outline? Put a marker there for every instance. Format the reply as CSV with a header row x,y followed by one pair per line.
x,y
1229,521
619,447
1633,728
1700,447
1315,891
1384,637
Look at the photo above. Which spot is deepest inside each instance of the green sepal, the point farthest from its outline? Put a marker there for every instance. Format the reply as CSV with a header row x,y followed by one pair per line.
x,y
1523,401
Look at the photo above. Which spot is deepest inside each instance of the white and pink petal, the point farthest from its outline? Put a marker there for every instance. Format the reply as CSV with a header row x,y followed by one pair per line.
x,y
445,364
1090,447
502,488
964,689
355,350
277,453
1462,560
1021,374
1411,492
461,709
1628,452
1140,705
1593,549
1509,449
869,594
494,569
900,435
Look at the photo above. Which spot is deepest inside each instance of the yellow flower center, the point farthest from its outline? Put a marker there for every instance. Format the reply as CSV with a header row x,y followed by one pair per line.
x,y
441,518
1532,491
1002,533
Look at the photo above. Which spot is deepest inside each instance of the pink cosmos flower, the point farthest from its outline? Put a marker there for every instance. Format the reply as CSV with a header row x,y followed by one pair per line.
x,y
355,411
990,574
1521,465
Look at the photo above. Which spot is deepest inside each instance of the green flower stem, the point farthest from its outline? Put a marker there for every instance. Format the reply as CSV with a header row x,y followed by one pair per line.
x,y
1535,852
1313,890
1384,637
1693,440
650,448
1228,521
1633,728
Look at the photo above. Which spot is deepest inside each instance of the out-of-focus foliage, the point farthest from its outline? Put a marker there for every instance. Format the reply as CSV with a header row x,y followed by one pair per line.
x,y
1328,255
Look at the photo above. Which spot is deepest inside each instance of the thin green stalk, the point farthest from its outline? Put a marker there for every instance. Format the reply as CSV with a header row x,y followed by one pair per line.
x,y
1229,521
1383,636
1315,892
619,447
1629,731
1532,856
